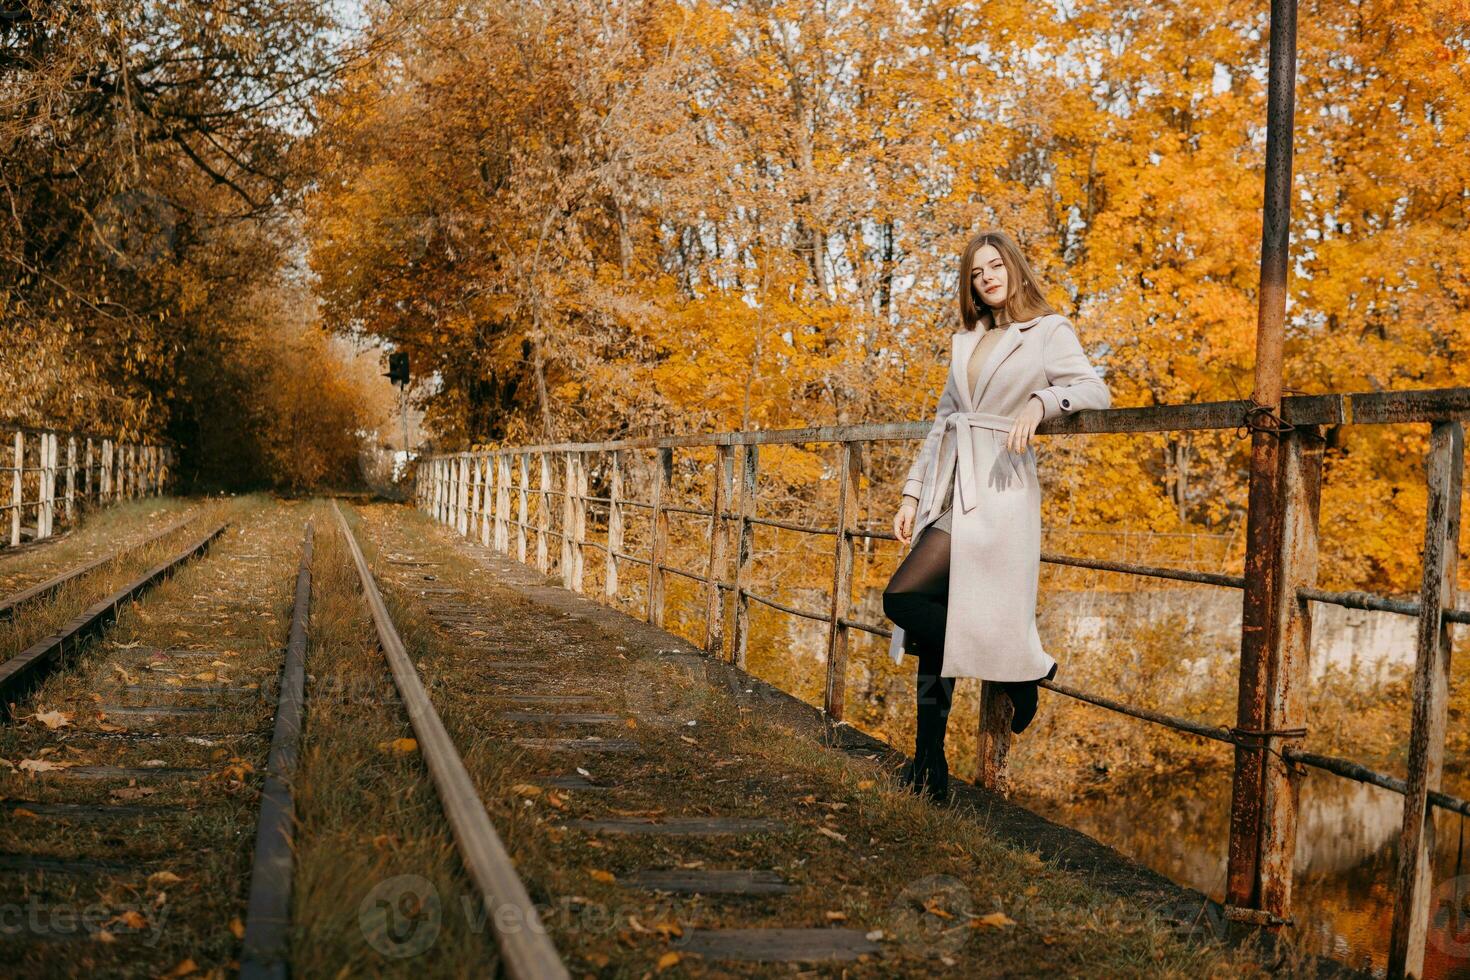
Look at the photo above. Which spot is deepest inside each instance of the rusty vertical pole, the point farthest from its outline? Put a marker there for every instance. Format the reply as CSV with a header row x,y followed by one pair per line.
x,y
1415,882
1258,648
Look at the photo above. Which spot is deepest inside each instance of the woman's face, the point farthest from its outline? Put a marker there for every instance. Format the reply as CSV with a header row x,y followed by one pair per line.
x,y
988,276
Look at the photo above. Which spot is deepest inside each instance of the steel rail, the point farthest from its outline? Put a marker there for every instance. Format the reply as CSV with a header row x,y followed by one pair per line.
x,y
265,949
527,950
27,667
9,604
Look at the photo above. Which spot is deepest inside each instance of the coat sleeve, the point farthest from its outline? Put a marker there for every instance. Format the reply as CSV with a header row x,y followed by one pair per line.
x,y
1072,382
948,402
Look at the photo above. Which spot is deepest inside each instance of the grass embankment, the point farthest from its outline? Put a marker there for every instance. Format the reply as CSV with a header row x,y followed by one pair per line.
x,y
859,852
179,833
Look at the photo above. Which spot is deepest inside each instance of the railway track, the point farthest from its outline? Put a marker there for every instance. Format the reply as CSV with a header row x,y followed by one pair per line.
x,y
129,778
23,671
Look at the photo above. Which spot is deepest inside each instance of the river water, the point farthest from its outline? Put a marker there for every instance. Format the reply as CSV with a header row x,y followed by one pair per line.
x,y
1347,853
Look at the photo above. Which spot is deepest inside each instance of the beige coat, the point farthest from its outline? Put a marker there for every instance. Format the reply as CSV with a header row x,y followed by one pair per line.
x,y
995,538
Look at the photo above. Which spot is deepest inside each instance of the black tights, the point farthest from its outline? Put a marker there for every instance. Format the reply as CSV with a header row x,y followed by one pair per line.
x,y
917,598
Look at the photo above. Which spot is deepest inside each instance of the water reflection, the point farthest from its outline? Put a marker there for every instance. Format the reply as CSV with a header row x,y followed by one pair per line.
x,y
1347,855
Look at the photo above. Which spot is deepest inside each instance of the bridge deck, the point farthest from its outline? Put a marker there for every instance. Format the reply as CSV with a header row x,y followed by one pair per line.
x,y
663,806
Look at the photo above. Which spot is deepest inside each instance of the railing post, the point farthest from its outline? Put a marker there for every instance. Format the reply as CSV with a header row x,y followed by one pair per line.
x,y
659,540
104,475
487,498
1290,656
849,476
17,487
614,527
579,522
568,518
502,504
1415,881
87,472
43,488
1264,576
543,515
523,506
71,477
744,551
715,567
992,768
1275,647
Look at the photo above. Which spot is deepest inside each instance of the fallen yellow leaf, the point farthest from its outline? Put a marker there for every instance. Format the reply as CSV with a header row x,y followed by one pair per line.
x,y
54,719
400,746
997,920
237,928
159,879
526,789
606,876
667,960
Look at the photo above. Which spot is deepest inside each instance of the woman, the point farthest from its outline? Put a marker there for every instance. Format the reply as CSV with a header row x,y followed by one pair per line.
x,y
974,496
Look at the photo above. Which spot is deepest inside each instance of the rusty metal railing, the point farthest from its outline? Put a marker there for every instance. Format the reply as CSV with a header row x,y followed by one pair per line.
x,y
476,494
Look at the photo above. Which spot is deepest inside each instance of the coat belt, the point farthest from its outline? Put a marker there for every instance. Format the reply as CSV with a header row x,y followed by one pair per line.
x,y
962,423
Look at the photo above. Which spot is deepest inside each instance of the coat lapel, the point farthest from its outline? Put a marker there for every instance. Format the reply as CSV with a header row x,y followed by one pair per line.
x,y
1004,348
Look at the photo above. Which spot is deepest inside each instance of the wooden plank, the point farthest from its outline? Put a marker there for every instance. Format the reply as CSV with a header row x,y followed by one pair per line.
x,y
579,744
663,474
1415,878
716,566
127,772
779,945
614,528
712,881
745,553
834,696
681,826
17,480
265,948
560,717
526,950
569,781
550,698
543,516
522,504
47,864
97,811
1288,669
161,711
992,767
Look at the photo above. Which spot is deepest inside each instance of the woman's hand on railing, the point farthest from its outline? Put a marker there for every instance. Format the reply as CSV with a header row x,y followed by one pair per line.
x,y
1025,425
903,521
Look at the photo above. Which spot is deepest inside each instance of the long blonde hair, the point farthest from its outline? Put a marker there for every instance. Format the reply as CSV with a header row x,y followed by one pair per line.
x,y
1025,301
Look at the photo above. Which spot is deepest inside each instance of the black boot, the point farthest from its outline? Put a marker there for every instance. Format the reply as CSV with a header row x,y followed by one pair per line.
x,y
1023,698
936,776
